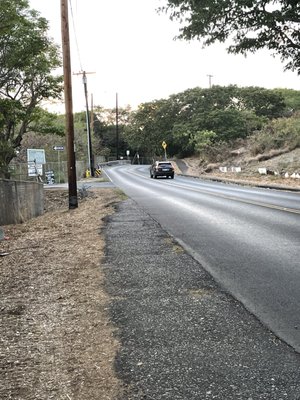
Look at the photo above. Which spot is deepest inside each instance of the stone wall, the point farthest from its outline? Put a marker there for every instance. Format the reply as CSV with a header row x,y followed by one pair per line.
x,y
20,201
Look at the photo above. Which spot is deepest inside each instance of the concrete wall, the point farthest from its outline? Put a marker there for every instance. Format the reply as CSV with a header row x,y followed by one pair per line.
x,y
20,201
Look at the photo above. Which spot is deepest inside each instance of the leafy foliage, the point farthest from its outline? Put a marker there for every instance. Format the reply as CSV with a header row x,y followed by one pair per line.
x,y
229,112
203,139
250,25
27,59
47,123
104,125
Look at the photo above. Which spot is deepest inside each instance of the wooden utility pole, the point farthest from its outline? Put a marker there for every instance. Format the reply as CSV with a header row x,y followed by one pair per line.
x,y
73,200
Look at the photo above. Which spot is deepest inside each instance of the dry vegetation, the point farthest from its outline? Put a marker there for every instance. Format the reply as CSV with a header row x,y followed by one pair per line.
x,y
56,338
276,147
273,162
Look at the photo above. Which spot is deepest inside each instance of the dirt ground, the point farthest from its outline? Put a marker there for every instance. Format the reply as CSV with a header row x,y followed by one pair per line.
x,y
56,339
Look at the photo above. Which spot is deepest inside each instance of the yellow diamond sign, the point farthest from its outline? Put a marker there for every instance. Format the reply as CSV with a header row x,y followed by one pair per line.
x,y
164,145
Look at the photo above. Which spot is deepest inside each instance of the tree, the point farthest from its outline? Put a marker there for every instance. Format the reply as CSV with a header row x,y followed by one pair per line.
x,y
203,139
291,99
149,126
230,112
47,123
249,25
104,125
27,59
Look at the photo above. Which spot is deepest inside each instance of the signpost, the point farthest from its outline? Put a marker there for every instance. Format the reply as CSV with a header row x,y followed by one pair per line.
x,y
164,145
58,149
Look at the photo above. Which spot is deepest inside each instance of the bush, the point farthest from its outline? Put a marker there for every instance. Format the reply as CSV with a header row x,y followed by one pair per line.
x,y
283,133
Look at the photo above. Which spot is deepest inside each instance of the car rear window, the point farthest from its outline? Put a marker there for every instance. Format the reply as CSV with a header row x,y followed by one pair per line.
x,y
165,164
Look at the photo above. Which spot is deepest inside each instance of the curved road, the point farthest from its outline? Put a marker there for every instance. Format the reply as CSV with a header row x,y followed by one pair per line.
x,y
247,238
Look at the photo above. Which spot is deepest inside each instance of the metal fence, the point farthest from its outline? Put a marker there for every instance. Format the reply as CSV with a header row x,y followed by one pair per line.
x,y
59,170
19,171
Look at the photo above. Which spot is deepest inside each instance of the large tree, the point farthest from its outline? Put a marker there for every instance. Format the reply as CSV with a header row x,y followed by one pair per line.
x,y
27,60
182,119
248,25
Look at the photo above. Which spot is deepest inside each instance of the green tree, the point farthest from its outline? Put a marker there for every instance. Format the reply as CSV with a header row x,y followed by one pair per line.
x,y
27,59
149,126
47,123
230,112
104,125
291,99
263,102
250,25
203,139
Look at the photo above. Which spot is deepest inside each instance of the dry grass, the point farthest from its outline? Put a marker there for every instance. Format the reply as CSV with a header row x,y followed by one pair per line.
x,y
56,338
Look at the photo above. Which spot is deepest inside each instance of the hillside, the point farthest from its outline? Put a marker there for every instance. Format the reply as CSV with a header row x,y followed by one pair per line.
x,y
277,166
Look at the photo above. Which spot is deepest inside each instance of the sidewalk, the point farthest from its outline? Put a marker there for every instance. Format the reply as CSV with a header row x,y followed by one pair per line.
x,y
183,337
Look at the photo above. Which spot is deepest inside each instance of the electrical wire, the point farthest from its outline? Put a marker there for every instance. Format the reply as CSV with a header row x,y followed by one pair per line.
x,y
75,35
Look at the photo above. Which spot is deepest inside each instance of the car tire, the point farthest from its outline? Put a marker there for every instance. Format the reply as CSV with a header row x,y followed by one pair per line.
x,y
172,176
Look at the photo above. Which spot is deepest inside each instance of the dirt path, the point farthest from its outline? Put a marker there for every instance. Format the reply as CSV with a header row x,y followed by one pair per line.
x,y
56,341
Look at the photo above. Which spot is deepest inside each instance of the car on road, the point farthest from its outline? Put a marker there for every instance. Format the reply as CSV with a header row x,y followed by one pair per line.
x,y
162,168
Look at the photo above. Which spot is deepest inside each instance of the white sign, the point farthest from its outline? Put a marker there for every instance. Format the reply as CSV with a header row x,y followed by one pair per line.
x,y
262,171
36,155
58,148
35,169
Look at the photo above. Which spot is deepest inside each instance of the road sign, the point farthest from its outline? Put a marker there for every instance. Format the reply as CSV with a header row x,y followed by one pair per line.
x,y
36,156
164,145
58,148
34,169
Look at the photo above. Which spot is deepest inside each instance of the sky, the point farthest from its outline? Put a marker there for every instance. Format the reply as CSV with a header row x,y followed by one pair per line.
x,y
128,48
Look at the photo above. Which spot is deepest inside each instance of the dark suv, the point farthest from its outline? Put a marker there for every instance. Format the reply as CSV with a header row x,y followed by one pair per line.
x,y
162,168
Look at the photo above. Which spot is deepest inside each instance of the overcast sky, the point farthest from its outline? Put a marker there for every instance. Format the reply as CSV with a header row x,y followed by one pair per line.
x,y
132,52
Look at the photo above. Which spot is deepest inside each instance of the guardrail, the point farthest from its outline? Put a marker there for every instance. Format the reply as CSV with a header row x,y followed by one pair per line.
x,y
112,163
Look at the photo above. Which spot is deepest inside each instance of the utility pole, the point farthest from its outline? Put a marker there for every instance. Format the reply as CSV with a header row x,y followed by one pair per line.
x,y
209,80
73,200
117,125
88,122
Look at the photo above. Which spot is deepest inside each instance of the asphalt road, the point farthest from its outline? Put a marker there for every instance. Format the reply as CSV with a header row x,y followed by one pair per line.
x,y
246,238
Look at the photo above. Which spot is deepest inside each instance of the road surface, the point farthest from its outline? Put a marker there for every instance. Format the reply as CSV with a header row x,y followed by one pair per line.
x,y
247,238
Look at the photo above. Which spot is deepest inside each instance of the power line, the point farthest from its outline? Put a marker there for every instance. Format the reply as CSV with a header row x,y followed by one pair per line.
x,y
75,35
